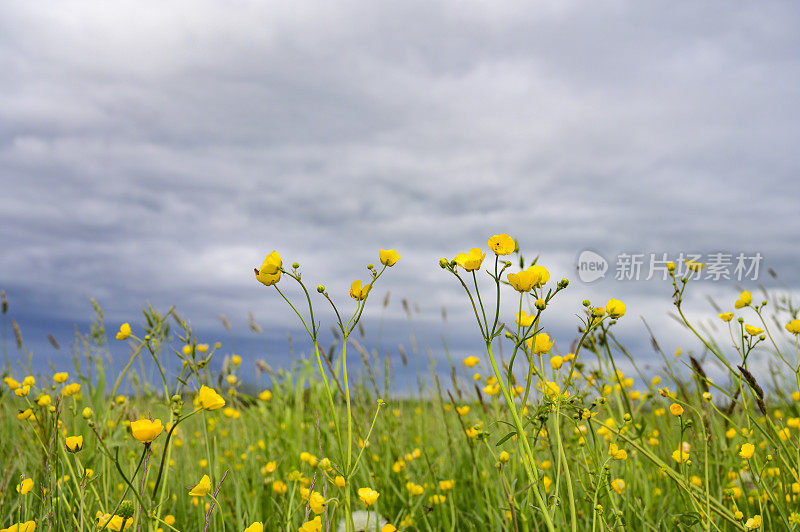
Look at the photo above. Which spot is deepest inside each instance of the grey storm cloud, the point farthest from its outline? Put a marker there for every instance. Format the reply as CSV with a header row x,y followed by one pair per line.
x,y
157,151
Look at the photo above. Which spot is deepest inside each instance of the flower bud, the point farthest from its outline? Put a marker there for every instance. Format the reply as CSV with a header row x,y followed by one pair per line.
x,y
587,303
443,262
295,265
321,289
563,283
540,304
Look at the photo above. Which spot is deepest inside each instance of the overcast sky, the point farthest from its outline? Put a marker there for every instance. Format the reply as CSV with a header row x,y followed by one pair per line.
x,y
155,152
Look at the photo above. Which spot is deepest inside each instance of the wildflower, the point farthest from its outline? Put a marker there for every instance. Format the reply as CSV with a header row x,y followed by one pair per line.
x,y
368,496
694,265
115,522
471,361
255,527
27,526
793,326
753,331
707,396
747,451
618,485
124,331
753,523
61,377
556,362
388,257
22,391
744,300
462,410
279,487
502,244
540,343
471,260
358,291
270,271
388,528
71,389
414,489
24,414
74,443
145,430
25,486
314,525
44,400
316,502
11,383
437,499
676,409
540,275
615,308
522,281
265,395
203,349
339,481
523,319
202,487
726,316
446,485
681,454
616,453
491,389
209,398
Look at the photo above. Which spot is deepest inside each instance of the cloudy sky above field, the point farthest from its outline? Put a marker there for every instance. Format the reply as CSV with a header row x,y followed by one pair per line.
x,y
155,152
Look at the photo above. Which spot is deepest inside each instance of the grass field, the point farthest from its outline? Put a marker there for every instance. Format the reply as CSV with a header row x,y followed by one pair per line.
x,y
530,440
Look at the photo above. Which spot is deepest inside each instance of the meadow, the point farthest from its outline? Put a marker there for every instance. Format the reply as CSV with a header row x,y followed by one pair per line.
x,y
529,433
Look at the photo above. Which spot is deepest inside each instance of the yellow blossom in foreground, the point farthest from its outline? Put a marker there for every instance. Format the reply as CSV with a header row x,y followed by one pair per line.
x,y
74,443
145,430
747,451
314,525
316,502
793,326
388,257
71,389
255,527
358,291
726,316
753,523
556,362
368,496
202,488
209,398
27,526
388,528
25,486
470,260
116,522
124,331
753,331
502,244
524,319
744,300
615,308
540,343
270,271
676,409
522,281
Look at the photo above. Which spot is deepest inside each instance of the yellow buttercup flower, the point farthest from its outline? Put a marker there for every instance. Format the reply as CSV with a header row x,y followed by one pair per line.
x,y
255,527
694,265
726,316
209,398
793,326
202,488
470,361
618,485
745,298
615,308
314,525
388,528
540,275
270,271
502,244
616,453
11,383
145,430
71,389
753,331
540,343
676,409
61,377
265,395
74,443
27,526
116,522
316,502
359,291
25,486
747,451
522,281
124,332
471,260
388,257
523,319
368,496
753,523
279,487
